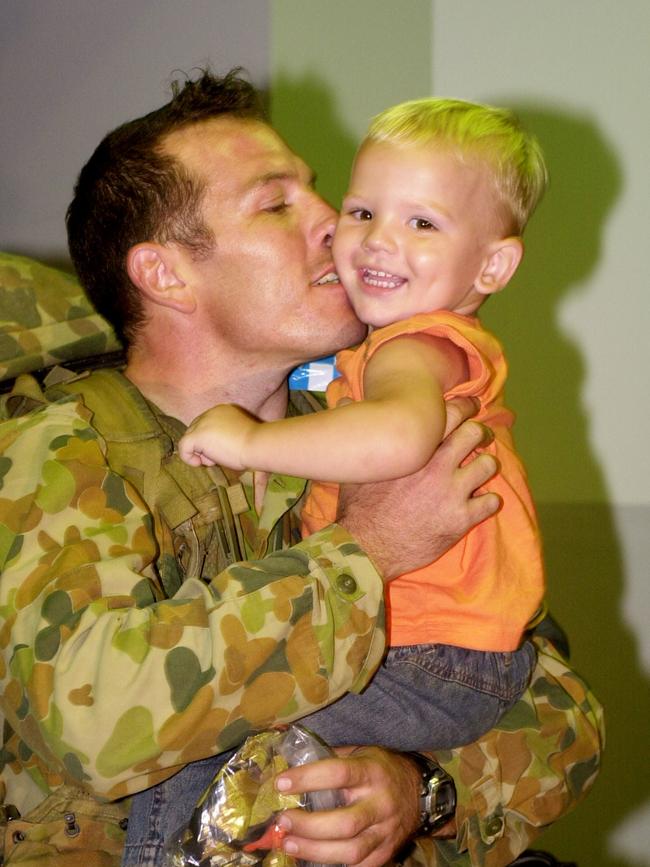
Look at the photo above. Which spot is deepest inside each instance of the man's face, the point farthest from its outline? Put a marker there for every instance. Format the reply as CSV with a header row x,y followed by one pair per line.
x,y
268,287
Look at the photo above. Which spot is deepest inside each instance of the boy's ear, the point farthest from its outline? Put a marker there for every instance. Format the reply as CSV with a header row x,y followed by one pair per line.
x,y
501,263
156,270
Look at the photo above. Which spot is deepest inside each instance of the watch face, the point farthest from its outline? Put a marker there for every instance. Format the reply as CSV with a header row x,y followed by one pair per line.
x,y
438,794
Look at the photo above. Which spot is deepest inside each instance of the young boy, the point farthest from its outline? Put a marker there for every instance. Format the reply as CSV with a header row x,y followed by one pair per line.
x,y
430,227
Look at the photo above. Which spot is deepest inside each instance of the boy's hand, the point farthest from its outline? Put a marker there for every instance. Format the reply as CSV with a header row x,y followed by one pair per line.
x,y
218,436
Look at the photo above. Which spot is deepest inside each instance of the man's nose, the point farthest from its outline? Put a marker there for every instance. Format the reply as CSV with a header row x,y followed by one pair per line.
x,y
325,223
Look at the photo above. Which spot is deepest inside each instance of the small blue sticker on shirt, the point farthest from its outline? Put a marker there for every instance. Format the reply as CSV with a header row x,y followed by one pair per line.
x,y
315,375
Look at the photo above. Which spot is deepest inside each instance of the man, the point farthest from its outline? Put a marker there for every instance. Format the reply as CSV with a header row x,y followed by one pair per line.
x,y
198,234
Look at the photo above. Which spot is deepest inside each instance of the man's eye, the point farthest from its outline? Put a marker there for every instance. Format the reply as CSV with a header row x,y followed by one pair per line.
x,y
421,223
277,208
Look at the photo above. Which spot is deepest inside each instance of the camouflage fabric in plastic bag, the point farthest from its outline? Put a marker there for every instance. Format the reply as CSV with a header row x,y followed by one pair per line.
x,y
235,822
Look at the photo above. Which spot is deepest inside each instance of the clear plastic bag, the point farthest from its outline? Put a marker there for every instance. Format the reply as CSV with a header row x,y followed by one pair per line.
x,y
235,821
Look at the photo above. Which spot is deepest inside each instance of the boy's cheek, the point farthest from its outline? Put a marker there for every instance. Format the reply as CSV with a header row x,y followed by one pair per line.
x,y
342,246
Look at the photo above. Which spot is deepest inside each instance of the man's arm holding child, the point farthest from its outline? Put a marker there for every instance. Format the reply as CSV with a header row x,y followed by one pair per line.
x,y
392,432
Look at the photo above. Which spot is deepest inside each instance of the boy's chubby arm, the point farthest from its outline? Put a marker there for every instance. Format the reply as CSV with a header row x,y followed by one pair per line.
x,y
391,433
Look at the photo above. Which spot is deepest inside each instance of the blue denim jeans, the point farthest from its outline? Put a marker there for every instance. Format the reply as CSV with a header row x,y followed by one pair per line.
x,y
423,697
428,697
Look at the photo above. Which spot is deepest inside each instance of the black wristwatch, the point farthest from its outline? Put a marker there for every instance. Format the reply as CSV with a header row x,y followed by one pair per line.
x,y
437,795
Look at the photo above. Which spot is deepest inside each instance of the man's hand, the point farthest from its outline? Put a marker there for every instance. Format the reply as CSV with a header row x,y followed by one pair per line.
x,y
381,791
218,436
407,523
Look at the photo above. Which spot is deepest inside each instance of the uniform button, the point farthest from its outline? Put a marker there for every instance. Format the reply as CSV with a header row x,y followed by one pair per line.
x,y
18,836
494,826
71,826
124,824
346,583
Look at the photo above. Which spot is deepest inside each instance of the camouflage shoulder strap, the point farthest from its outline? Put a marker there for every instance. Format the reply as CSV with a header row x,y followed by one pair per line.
x,y
195,510
304,402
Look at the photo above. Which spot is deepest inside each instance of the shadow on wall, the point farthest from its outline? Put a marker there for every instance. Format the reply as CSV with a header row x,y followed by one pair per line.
x,y
563,248
583,552
586,577
304,112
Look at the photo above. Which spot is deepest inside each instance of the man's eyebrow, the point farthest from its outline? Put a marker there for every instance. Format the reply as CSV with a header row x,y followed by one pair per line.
x,y
270,177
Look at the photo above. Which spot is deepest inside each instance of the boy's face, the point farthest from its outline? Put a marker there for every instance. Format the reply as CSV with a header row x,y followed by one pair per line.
x,y
415,233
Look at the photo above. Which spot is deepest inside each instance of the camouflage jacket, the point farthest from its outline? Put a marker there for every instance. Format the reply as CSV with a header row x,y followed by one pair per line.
x,y
188,667
109,683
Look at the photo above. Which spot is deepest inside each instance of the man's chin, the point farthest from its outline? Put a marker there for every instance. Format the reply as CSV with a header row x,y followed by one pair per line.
x,y
346,338
360,333
337,304
350,334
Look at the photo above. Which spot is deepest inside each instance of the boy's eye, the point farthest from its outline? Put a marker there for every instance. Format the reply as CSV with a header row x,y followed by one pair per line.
x,y
361,214
421,223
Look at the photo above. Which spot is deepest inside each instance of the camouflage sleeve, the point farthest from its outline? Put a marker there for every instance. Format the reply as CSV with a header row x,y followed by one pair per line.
x,y
107,684
533,768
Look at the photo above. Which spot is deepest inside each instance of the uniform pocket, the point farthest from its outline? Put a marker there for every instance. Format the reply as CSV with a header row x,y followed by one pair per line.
x,y
68,829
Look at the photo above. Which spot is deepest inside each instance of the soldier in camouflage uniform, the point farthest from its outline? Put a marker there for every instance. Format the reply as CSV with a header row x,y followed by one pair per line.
x,y
133,643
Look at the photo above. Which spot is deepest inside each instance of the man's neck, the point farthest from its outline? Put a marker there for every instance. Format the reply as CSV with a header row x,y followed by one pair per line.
x,y
184,388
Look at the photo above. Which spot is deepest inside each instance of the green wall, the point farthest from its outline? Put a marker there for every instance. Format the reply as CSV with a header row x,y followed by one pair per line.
x,y
334,65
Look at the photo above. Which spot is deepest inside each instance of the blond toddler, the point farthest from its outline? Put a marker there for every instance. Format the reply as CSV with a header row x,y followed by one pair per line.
x,y
430,227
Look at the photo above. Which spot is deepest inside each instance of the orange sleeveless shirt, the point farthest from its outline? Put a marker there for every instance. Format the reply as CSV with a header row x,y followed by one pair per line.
x,y
483,592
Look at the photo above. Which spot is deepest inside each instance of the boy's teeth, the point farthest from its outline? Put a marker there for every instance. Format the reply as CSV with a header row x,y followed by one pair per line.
x,y
382,279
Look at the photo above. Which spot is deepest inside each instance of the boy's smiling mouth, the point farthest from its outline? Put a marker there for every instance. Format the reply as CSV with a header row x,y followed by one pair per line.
x,y
381,279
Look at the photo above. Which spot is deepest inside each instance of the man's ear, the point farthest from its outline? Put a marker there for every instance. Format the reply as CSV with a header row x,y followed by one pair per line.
x,y
156,270
501,263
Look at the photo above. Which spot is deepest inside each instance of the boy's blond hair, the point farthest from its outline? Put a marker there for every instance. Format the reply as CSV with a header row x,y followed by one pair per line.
x,y
470,130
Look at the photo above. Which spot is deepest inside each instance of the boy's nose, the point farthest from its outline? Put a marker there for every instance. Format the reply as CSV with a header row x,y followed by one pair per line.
x,y
378,237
